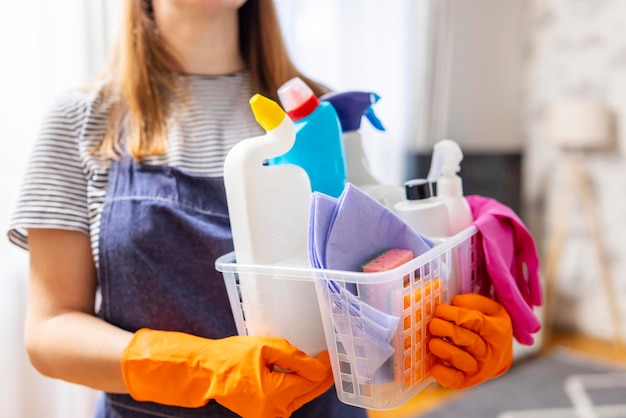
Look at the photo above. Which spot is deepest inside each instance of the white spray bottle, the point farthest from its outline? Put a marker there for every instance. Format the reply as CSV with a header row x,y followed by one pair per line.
x,y
351,107
269,209
444,166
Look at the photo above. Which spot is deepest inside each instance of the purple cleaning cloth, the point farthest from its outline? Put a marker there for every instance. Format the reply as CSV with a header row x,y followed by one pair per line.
x,y
363,229
323,211
512,263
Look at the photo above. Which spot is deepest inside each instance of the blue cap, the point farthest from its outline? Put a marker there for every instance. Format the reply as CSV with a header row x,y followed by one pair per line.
x,y
351,106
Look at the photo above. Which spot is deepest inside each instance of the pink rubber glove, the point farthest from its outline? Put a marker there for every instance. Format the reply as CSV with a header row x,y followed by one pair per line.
x,y
509,250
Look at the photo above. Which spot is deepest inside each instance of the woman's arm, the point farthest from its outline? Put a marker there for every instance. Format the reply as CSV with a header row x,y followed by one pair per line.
x,y
64,338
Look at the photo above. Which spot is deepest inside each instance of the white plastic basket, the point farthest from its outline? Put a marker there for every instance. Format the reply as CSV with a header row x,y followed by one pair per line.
x,y
409,293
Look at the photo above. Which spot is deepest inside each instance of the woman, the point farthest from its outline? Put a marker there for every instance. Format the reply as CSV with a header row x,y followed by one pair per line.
x,y
123,211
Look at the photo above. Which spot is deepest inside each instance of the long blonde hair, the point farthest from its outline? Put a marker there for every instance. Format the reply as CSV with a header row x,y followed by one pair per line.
x,y
144,79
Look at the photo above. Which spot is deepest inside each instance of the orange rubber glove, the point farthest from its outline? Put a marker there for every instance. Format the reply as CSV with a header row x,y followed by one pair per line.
x,y
178,369
474,339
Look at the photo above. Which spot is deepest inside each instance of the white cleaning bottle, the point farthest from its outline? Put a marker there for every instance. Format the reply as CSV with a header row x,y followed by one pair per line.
x,y
268,205
422,210
269,209
444,166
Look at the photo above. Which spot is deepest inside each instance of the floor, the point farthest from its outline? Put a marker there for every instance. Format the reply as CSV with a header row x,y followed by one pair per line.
x,y
434,395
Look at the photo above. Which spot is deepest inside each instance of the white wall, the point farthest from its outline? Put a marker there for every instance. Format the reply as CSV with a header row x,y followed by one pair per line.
x,y
486,75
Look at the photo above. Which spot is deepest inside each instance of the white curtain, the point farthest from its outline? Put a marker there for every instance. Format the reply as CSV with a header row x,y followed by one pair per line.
x,y
396,49
46,47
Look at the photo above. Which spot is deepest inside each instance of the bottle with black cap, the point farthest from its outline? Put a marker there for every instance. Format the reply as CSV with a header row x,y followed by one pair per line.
x,y
422,210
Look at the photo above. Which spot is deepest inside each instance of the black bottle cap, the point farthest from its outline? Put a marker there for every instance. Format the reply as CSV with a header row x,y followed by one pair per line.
x,y
417,189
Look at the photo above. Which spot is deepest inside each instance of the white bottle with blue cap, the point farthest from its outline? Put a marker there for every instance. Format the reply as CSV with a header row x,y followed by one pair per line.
x,y
351,107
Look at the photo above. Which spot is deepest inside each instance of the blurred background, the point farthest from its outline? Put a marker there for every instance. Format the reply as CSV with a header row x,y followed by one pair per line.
x,y
534,91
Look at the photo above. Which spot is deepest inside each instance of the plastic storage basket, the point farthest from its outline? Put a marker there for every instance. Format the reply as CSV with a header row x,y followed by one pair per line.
x,y
408,293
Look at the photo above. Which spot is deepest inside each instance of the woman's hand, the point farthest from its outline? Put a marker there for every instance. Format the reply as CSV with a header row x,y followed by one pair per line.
x,y
473,338
242,373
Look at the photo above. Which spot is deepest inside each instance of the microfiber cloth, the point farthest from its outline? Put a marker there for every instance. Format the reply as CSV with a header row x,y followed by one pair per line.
x,y
323,212
512,263
362,228
344,233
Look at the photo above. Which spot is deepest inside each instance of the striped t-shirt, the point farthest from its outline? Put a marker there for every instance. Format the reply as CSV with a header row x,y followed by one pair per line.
x,y
65,183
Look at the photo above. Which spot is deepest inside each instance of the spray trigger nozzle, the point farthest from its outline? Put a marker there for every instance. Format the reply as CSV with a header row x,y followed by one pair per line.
x,y
371,116
446,160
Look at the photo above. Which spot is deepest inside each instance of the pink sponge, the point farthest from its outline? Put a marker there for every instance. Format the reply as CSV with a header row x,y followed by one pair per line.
x,y
388,260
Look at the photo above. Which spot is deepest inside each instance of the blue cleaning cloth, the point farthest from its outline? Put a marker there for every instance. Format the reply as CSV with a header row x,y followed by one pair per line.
x,y
344,234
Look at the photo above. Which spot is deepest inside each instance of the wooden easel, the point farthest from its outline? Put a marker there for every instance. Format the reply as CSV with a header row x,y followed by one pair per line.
x,y
577,182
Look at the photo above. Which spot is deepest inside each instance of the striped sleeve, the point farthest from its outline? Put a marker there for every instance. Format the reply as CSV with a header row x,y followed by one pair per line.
x,y
54,189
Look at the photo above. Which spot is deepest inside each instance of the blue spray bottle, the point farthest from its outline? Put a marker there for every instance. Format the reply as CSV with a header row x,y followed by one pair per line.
x,y
318,148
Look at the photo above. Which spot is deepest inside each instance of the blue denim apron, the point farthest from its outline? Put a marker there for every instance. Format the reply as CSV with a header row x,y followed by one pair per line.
x,y
161,232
